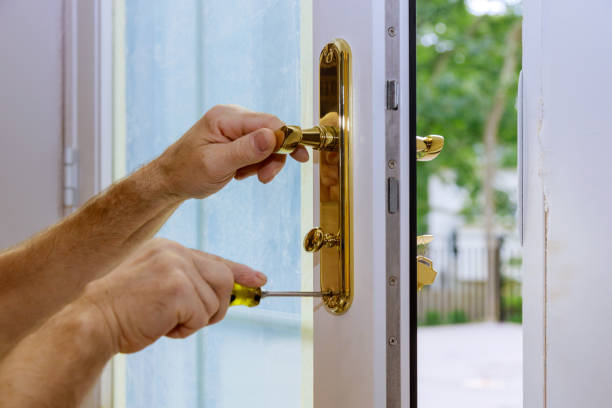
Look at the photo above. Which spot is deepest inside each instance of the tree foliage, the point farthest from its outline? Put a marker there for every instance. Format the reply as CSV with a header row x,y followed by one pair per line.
x,y
459,60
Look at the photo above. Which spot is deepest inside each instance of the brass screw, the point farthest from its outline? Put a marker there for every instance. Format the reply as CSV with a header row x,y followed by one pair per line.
x,y
392,280
392,340
391,31
392,164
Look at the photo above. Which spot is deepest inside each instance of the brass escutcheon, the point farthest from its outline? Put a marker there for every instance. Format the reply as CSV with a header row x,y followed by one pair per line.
x,y
333,240
335,178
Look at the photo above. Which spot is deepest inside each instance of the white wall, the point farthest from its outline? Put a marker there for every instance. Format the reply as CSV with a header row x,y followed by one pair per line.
x,y
567,67
30,117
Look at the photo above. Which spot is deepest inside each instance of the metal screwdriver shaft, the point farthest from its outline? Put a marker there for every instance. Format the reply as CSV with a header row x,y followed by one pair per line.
x,y
245,296
292,294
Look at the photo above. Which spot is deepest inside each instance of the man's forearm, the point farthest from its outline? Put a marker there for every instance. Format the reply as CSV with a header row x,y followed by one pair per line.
x,y
56,365
41,275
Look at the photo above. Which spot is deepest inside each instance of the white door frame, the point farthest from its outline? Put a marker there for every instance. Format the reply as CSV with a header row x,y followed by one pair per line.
x,y
350,351
533,210
566,198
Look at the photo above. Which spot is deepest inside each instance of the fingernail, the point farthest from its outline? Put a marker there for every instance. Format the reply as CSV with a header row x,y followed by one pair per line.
x,y
262,142
262,278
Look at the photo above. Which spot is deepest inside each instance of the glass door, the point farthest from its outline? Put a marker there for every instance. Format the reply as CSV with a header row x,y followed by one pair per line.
x,y
173,61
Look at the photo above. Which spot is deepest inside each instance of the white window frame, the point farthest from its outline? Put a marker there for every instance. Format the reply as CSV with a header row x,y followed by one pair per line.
x,y
88,115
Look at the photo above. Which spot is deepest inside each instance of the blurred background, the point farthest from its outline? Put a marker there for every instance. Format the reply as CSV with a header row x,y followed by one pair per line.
x,y
468,64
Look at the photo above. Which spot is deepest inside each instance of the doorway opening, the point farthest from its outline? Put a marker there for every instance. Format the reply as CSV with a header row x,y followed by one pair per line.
x,y
469,333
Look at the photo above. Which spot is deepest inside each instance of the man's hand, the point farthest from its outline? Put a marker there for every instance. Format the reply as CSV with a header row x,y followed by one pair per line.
x,y
227,142
165,289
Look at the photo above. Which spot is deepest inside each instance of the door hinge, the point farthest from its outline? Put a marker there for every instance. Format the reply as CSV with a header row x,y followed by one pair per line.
x,y
71,180
392,94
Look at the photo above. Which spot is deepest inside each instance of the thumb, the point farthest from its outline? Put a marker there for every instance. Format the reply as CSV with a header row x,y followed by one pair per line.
x,y
246,150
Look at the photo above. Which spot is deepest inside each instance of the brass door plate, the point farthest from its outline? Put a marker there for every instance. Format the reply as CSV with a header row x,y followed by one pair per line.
x,y
332,138
335,177
334,238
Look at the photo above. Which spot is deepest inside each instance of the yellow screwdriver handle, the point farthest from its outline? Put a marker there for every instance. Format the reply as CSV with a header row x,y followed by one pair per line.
x,y
242,295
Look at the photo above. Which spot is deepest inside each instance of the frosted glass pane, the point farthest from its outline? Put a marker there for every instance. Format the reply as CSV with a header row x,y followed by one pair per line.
x,y
181,59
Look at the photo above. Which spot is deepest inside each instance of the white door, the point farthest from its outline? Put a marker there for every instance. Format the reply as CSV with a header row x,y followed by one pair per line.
x,y
171,62
366,358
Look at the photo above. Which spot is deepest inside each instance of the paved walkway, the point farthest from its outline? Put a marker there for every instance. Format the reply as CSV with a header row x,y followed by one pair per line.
x,y
476,365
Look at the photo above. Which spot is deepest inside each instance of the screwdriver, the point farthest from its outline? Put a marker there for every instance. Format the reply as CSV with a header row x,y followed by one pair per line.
x,y
245,296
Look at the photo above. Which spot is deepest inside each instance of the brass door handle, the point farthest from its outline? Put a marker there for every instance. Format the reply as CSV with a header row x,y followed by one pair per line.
x,y
424,239
321,137
426,274
429,147
317,239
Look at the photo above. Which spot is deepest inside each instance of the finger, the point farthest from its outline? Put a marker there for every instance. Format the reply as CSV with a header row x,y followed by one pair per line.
x,y
247,171
226,158
255,120
235,121
300,154
197,313
267,172
180,332
253,168
243,274
218,276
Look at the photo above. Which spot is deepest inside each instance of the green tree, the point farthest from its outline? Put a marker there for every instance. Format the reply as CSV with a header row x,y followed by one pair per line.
x,y
461,91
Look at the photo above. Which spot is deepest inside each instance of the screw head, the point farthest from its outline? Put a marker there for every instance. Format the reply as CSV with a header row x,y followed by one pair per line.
x,y
391,31
392,340
392,163
392,280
